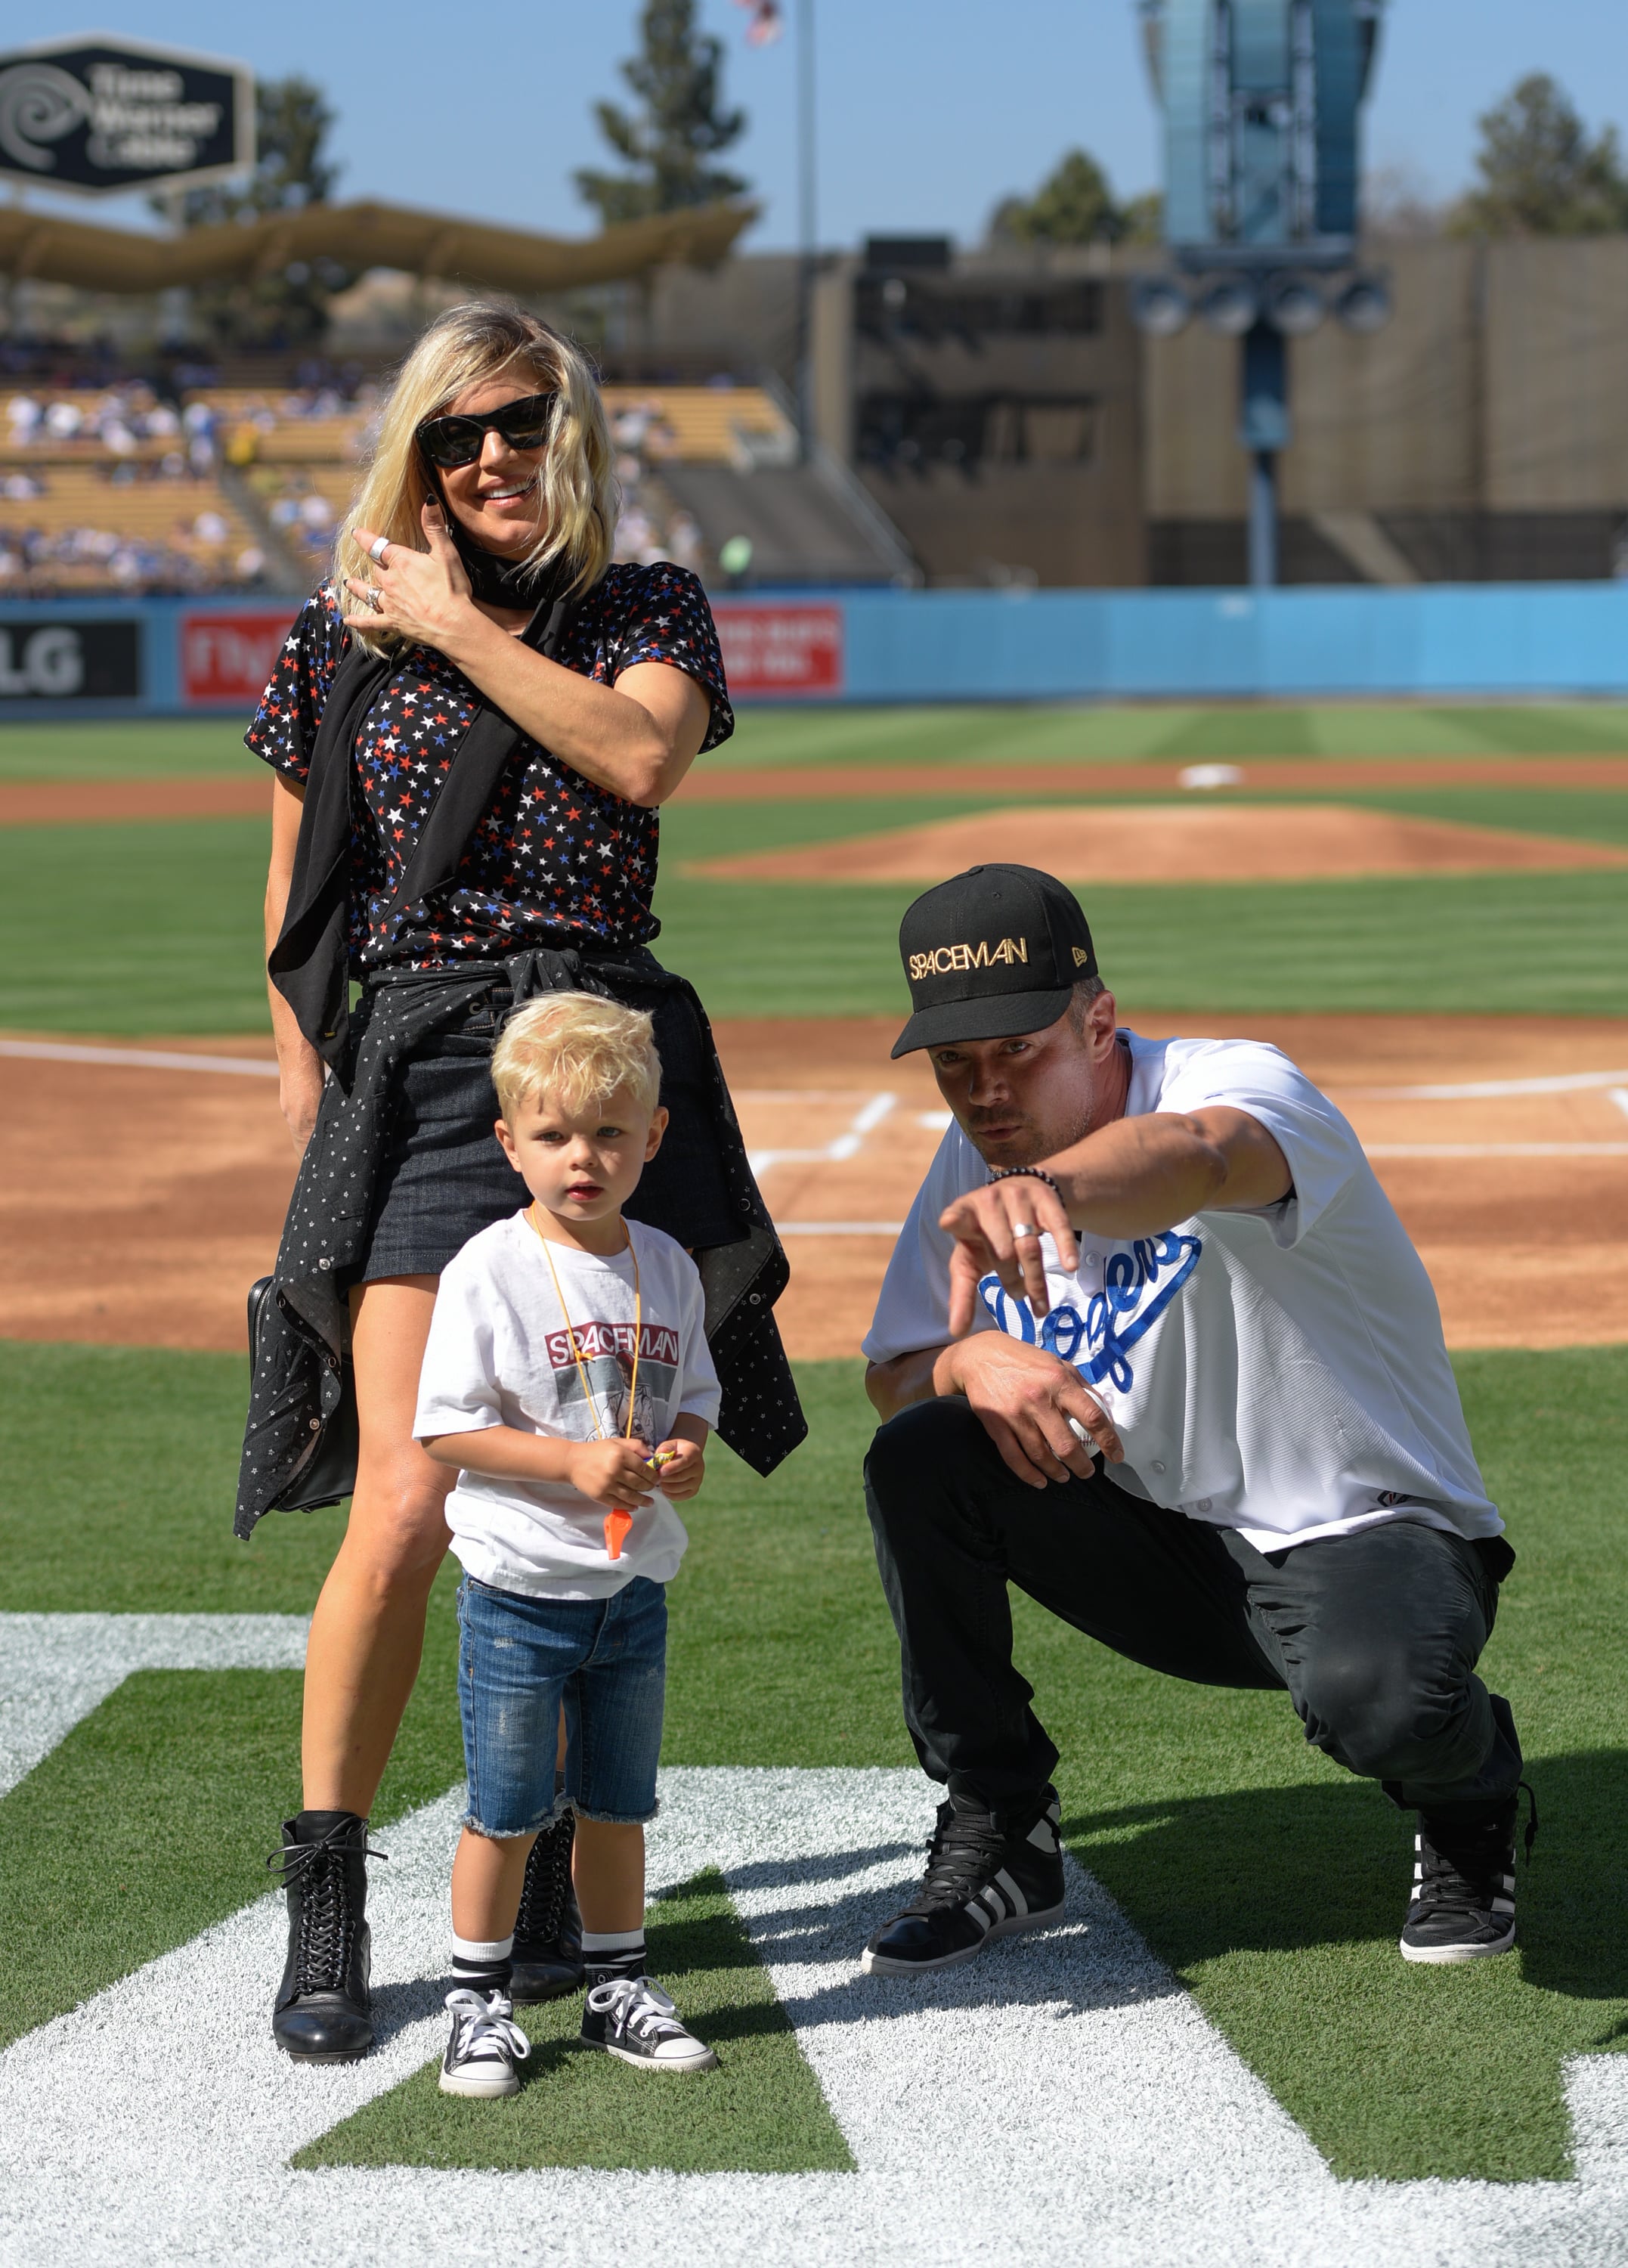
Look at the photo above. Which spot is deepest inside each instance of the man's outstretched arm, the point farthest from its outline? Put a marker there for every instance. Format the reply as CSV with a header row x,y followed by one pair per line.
x,y
1136,1177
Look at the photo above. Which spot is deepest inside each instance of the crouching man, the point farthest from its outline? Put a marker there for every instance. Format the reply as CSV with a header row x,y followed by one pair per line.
x,y
1154,1347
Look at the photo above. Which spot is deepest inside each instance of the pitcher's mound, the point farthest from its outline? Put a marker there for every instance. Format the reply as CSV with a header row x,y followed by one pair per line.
x,y
1172,843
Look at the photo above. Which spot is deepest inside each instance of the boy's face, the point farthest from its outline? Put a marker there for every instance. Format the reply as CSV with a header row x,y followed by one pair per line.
x,y
581,1166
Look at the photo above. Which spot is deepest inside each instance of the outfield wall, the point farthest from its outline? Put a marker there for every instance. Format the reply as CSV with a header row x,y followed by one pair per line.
x,y
172,657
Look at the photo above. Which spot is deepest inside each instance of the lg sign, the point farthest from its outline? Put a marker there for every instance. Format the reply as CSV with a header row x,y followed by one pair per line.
x,y
229,658
67,661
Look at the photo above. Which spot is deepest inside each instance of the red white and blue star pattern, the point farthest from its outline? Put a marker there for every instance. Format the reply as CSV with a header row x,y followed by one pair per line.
x,y
555,851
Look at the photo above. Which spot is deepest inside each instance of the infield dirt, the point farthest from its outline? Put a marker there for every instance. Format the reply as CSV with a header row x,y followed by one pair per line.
x,y
1153,842
137,1204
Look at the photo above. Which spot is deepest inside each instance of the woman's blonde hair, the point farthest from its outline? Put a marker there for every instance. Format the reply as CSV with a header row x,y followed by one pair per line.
x,y
579,1046
464,348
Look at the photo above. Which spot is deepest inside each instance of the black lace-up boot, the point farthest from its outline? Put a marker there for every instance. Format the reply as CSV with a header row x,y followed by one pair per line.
x,y
989,1875
548,1929
323,2013
1463,1902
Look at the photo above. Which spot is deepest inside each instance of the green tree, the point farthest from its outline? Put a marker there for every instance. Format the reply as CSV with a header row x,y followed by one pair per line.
x,y
1073,205
1541,174
672,140
292,121
1144,218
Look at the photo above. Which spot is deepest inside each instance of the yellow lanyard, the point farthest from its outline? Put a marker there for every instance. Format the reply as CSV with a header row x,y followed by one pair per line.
x,y
570,1329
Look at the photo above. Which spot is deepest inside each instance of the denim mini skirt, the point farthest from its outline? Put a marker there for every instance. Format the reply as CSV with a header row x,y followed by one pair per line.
x,y
444,1176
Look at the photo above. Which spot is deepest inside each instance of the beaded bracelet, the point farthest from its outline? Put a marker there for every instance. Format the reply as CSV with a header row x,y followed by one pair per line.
x,y
1006,1173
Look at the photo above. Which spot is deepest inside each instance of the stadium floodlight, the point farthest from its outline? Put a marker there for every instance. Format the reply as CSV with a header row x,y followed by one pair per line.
x,y
1294,305
1261,101
1231,306
1159,306
1365,304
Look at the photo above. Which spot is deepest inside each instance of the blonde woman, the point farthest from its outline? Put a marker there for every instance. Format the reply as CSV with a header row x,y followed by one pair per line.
x,y
472,728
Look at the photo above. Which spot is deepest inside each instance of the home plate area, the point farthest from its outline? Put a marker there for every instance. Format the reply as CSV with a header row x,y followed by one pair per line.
x,y
1062,2098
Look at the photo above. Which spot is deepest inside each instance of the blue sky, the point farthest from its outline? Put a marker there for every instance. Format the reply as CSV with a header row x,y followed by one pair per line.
x,y
929,110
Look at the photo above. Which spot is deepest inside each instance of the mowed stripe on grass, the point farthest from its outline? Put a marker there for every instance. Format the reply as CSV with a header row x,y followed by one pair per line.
x,y
1272,1883
156,929
994,733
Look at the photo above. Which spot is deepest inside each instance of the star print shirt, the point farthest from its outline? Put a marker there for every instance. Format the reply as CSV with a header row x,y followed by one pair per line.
x,y
555,853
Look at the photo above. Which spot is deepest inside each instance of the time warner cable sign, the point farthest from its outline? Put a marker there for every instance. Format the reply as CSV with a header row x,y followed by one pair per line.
x,y
97,115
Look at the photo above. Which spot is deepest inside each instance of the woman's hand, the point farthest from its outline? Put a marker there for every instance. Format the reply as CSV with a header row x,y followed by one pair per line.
x,y
422,595
299,1094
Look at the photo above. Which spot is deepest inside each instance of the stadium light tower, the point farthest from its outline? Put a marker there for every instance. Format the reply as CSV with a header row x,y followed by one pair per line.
x,y
1261,101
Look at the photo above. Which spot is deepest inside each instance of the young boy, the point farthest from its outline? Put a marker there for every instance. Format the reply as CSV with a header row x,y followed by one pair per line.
x,y
568,1378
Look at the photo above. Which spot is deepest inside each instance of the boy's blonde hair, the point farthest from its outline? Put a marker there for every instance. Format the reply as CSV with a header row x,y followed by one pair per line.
x,y
580,1047
468,345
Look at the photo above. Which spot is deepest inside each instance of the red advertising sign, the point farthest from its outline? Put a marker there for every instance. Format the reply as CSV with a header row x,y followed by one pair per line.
x,y
781,650
227,657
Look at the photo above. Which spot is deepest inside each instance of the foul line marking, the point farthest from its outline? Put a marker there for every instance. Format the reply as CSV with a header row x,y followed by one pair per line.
x,y
1491,1089
144,1058
1495,1149
846,1145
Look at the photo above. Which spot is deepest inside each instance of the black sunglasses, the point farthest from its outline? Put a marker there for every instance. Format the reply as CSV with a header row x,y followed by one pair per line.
x,y
524,424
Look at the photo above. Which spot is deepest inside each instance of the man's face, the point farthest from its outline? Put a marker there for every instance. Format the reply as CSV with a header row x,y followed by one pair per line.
x,y
1021,1100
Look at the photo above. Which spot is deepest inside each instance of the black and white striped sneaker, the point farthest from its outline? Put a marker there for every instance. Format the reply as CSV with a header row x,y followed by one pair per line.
x,y
485,2048
634,2019
1463,1902
988,1875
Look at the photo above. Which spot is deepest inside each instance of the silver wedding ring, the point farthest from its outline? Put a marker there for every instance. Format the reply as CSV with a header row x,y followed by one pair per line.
x,y
1022,1228
375,601
378,548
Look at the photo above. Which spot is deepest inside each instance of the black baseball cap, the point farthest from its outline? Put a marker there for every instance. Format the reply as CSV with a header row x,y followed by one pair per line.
x,y
990,952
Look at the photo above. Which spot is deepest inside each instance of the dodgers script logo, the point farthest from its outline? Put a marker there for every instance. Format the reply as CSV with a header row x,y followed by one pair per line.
x,y
1097,1342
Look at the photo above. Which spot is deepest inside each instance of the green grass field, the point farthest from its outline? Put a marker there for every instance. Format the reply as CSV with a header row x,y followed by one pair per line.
x,y
164,928
990,734
1271,1883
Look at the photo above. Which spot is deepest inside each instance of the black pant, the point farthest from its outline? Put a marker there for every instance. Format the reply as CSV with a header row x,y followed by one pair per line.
x,y
1375,1636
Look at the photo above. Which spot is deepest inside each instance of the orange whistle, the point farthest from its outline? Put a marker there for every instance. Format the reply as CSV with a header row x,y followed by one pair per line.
x,y
616,1527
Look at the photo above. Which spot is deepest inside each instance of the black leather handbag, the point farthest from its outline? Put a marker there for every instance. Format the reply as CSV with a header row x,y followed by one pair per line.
x,y
328,1474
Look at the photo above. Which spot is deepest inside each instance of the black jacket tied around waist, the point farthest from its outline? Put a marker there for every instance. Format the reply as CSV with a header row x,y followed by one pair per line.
x,y
300,1374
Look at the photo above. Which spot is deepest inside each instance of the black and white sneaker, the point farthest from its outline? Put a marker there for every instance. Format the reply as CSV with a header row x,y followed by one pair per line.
x,y
486,2048
633,2019
988,1874
1463,1902
548,1929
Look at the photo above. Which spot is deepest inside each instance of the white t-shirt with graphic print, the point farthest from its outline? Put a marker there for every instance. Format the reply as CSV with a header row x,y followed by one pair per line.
x,y
498,1354
1283,1372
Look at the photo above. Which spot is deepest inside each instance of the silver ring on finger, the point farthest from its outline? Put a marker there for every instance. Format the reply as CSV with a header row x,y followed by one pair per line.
x,y
378,548
1022,1228
375,601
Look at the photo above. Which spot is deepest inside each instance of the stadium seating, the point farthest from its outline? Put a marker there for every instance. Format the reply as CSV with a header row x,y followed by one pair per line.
x,y
232,488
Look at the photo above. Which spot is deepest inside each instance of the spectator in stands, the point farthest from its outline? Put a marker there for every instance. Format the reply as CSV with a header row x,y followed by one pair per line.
x,y
473,725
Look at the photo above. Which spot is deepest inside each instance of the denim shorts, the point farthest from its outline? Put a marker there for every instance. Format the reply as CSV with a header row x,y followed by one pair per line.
x,y
517,1660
